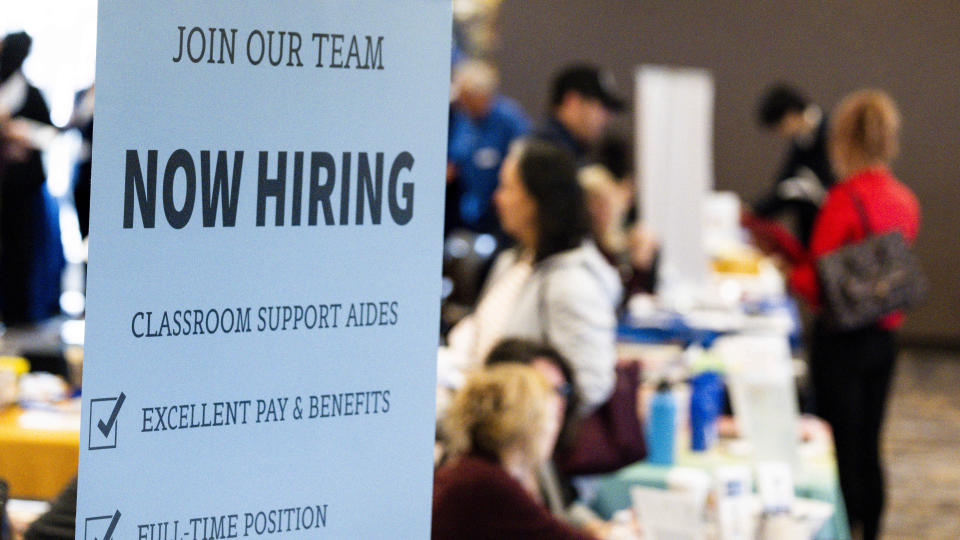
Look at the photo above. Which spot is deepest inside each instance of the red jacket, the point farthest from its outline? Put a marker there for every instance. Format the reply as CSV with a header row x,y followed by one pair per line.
x,y
889,205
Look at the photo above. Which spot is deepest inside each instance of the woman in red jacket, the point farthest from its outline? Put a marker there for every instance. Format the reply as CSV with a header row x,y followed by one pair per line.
x,y
851,370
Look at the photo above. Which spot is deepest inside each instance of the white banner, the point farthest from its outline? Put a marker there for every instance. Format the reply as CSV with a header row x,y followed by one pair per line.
x,y
264,279
674,153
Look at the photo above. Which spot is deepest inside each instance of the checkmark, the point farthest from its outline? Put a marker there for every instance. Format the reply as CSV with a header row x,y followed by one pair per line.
x,y
116,515
105,428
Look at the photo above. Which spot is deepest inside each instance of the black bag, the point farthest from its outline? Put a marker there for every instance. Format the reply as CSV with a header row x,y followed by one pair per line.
x,y
864,281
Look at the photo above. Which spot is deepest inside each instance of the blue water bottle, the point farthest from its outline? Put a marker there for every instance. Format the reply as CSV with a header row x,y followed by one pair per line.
x,y
662,426
706,395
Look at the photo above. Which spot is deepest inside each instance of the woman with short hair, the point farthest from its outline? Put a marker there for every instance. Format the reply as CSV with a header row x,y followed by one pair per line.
x,y
500,428
851,369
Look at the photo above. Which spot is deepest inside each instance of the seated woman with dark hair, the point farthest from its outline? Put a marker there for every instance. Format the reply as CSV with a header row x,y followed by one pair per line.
x,y
500,428
553,287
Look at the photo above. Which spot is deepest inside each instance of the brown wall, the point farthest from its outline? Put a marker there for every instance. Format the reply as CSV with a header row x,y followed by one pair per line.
x,y
911,49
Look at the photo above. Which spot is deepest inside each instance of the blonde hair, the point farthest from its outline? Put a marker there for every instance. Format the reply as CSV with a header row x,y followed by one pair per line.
x,y
499,408
865,131
607,203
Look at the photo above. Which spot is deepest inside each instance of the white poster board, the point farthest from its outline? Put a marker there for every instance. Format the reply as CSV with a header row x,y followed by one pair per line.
x,y
264,279
674,138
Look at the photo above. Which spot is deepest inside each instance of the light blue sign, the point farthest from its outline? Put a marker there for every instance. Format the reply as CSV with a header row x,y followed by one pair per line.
x,y
263,293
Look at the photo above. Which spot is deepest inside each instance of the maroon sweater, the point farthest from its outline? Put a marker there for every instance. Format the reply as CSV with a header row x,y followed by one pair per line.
x,y
475,498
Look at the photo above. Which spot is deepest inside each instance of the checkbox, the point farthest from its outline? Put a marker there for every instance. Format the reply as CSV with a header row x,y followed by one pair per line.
x,y
100,527
104,413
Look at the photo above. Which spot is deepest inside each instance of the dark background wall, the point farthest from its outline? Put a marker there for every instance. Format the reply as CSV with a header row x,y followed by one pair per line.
x,y
910,49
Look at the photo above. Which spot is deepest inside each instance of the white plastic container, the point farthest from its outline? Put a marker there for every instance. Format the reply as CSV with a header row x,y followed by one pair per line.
x,y
763,394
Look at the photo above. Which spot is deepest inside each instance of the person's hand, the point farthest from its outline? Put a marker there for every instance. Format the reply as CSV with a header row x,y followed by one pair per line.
x,y
643,248
16,140
781,264
451,172
598,528
623,525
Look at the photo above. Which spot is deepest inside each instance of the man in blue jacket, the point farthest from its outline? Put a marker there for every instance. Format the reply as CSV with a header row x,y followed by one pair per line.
x,y
482,126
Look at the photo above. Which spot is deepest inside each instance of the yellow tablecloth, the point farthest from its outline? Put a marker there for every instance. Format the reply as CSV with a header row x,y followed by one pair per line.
x,y
36,463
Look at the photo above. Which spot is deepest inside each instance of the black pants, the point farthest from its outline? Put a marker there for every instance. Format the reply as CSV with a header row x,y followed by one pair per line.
x,y
851,379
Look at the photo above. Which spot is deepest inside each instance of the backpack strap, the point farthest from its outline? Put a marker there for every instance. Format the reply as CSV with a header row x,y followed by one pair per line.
x,y
862,211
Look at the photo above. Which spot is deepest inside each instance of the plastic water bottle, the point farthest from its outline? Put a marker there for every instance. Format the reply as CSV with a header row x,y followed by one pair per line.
x,y
662,426
705,395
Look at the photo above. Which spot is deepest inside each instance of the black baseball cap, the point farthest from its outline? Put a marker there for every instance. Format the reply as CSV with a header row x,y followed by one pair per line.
x,y
588,81
777,101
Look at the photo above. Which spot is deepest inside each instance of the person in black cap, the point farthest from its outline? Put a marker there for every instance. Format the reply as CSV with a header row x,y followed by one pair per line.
x,y
805,177
583,101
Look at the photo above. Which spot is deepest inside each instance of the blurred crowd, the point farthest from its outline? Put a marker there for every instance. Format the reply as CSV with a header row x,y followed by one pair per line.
x,y
31,253
542,249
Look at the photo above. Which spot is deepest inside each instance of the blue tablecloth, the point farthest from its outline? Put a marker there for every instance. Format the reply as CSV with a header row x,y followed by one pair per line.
x,y
817,479
668,327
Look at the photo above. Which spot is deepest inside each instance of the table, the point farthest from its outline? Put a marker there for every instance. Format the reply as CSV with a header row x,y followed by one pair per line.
x,y
38,451
778,314
816,479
